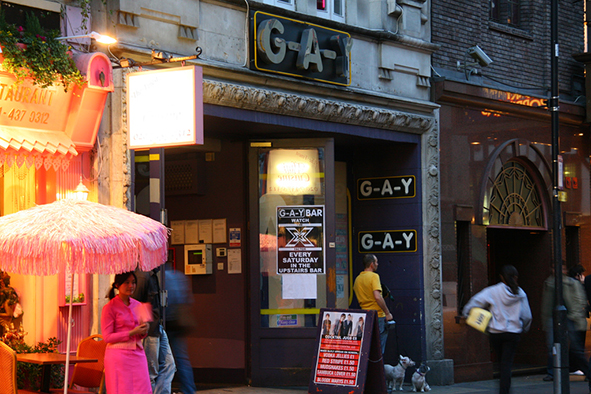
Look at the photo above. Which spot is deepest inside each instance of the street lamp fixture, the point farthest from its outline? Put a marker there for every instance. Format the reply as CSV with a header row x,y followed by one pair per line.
x,y
103,39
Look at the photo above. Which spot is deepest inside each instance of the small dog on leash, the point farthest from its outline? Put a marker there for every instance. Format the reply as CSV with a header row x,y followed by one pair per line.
x,y
418,379
395,374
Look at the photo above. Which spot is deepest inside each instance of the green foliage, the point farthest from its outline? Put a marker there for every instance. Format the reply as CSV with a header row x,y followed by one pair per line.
x,y
31,51
76,300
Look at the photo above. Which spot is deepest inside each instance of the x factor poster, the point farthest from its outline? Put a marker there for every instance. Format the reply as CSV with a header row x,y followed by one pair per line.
x,y
300,239
339,352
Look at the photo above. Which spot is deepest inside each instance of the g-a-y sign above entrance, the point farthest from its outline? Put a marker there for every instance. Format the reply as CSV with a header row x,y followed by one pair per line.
x,y
298,49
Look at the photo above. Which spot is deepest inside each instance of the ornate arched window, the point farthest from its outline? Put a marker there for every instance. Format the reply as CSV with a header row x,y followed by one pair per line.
x,y
514,200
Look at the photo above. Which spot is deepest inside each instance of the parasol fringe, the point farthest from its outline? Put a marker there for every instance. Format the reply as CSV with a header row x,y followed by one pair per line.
x,y
78,240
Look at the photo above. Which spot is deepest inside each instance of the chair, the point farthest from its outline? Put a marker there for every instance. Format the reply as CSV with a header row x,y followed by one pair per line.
x,y
89,375
8,371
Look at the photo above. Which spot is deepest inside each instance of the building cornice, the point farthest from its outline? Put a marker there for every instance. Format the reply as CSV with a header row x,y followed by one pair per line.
x,y
231,94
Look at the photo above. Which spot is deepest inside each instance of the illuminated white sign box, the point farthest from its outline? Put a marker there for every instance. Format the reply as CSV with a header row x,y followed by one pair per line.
x,y
165,108
293,172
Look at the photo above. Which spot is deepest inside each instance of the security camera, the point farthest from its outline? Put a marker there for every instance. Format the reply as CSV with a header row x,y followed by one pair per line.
x,y
478,54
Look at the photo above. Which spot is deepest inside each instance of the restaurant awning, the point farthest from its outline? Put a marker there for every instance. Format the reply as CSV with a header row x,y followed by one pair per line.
x,y
47,127
35,147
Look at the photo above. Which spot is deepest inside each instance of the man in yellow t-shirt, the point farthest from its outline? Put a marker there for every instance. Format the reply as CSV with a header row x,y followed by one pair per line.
x,y
368,289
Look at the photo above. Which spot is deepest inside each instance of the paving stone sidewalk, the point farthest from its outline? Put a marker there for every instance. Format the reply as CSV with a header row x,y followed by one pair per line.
x,y
532,384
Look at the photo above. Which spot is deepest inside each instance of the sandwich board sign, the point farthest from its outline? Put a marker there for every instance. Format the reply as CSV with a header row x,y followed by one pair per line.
x,y
348,356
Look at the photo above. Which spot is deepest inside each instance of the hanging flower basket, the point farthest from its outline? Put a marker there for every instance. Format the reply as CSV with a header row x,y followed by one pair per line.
x,y
31,52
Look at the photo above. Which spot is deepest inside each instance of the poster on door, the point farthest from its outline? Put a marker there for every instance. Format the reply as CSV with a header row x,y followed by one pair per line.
x,y
300,239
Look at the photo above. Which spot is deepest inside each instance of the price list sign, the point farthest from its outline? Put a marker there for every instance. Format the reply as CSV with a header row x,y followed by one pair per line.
x,y
347,340
340,348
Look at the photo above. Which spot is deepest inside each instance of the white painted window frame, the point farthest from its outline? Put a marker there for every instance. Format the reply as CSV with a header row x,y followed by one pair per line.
x,y
329,13
287,4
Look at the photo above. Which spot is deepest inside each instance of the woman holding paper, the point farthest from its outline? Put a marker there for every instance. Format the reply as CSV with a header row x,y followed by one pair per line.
x,y
511,316
124,325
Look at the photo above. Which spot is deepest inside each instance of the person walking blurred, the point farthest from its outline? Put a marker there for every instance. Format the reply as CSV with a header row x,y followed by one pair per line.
x,y
180,322
576,272
575,302
160,360
511,316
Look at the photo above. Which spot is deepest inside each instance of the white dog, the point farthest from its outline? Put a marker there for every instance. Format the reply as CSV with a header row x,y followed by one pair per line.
x,y
395,374
418,379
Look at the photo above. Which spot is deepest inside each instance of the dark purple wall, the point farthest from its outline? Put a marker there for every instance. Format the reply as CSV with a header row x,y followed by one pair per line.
x,y
220,298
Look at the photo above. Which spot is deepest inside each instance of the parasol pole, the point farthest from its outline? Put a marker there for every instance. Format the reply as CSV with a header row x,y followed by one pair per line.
x,y
66,380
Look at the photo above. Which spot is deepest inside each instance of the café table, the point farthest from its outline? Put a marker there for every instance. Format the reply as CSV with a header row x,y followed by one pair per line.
x,y
46,360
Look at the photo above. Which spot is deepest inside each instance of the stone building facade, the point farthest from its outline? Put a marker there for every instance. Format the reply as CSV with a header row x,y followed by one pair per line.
x,y
374,121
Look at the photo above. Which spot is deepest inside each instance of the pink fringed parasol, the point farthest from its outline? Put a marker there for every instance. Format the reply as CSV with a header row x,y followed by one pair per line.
x,y
80,237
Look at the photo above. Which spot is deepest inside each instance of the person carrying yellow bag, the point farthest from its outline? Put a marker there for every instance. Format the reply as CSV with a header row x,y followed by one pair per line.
x,y
511,316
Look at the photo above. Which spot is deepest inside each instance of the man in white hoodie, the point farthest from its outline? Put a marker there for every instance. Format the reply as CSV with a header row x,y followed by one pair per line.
x,y
511,316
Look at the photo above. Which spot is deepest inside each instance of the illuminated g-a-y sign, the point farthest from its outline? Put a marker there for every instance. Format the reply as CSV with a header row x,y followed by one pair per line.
x,y
299,49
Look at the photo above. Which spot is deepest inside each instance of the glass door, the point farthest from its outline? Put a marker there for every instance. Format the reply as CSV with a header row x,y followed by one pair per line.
x,y
292,237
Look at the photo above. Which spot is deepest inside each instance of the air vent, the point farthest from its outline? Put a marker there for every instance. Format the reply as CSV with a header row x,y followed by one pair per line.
x,y
185,177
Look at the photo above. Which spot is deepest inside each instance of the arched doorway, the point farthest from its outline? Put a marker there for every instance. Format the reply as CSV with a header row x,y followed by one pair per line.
x,y
531,253
515,209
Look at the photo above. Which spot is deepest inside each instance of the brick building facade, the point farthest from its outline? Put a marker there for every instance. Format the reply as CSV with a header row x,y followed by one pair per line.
x,y
494,125
520,53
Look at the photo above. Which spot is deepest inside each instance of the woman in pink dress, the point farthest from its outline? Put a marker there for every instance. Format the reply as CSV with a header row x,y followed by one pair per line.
x,y
126,368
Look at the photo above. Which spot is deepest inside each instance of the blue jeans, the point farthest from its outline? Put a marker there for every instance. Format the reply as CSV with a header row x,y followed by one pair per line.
x,y
383,333
161,366
184,370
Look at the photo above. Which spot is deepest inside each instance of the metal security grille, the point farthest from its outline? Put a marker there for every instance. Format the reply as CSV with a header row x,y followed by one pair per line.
x,y
184,177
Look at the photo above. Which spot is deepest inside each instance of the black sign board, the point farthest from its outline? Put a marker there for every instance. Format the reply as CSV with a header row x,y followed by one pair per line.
x,y
300,239
386,187
388,241
348,356
298,49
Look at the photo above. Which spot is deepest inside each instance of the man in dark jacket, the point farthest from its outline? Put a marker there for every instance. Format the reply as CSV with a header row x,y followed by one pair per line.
x,y
179,323
575,303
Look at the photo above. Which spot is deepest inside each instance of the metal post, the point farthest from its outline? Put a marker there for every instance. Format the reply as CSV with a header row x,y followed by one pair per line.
x,y
560,349
157,193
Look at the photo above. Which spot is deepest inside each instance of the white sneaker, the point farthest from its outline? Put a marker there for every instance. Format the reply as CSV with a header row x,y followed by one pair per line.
x,y
578,373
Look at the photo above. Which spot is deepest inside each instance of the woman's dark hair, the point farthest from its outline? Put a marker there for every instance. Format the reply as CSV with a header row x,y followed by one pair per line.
x,y
576,270
119,280
509,275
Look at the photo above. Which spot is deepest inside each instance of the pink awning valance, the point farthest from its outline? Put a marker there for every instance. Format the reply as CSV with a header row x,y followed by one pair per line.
x,y
35,147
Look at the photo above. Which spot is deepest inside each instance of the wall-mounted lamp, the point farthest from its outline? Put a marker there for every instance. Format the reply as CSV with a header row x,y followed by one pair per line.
x,y
94,35
479,58
81,192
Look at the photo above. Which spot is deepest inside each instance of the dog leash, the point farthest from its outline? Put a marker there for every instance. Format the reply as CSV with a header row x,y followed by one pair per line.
x,y
386,291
